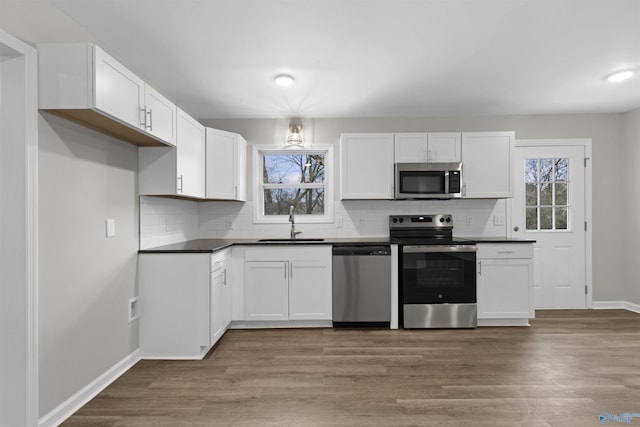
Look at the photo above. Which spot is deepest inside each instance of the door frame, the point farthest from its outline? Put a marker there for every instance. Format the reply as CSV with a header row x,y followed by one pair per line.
x,y
19,138
582,142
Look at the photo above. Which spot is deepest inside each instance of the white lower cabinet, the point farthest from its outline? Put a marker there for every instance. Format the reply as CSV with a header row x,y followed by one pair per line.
x,y
185,301
287,283
505,284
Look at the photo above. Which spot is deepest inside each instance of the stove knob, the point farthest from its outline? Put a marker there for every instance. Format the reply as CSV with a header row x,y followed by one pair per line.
x,y
440,296
401,220
441,219
449,219
395,220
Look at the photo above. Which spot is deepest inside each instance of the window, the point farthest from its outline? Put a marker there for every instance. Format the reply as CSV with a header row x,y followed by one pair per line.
x,y
293,177
547,194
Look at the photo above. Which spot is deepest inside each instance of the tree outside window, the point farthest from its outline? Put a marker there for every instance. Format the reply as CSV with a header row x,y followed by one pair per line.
x,y
547,194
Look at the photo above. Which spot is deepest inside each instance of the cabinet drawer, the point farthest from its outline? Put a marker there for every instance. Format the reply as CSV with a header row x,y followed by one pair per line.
x,y
504,251
287,252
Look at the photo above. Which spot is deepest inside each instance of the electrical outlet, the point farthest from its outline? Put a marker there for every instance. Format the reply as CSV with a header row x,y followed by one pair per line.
x,y
361,223
134,309
469,220
110,225
339,223
230,224
498,220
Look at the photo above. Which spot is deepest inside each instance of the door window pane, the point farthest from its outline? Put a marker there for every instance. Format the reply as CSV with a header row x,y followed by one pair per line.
x,y
547,194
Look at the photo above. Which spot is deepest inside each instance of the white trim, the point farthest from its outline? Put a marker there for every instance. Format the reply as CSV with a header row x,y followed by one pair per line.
x,y
616,305
327,218
588,200
67,408
503,322
26,166
268,324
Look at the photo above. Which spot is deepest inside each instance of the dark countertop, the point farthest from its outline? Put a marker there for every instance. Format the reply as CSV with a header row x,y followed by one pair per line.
x,y
213,245
499,240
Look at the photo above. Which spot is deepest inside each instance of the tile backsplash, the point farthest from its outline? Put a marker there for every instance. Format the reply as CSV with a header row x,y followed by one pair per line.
x,y
164,221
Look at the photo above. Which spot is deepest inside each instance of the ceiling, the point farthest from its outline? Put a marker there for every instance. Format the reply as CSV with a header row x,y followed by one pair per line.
x,y
359,58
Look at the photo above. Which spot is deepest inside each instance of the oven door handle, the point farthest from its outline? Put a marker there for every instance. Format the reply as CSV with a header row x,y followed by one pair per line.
x,y
433,249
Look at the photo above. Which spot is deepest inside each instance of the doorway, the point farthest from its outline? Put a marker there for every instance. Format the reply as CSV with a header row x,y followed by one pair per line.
x,y
552,205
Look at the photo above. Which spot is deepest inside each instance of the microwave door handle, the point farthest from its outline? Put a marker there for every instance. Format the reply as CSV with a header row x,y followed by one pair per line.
x,y
446,182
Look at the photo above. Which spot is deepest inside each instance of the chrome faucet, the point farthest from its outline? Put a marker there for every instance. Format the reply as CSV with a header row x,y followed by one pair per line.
x,y
292,220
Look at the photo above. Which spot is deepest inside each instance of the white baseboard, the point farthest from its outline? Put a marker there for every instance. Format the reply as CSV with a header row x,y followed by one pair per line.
x,y
608,305
63,411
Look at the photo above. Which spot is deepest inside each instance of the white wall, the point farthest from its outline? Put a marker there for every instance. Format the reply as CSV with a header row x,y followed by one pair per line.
x,y
632,205
85,278
605,130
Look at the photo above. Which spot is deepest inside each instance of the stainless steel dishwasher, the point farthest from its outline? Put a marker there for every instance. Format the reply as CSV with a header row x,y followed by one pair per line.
x,y
361,286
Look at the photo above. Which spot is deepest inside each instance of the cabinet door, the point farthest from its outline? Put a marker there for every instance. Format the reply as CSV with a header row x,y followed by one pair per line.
x,y
366,166
266,290
444,147
222,165
486,164
160,116
504,288
410,147
310,290
118,92
190,156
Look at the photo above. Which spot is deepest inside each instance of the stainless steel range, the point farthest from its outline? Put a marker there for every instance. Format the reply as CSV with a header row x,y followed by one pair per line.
x,y
437,273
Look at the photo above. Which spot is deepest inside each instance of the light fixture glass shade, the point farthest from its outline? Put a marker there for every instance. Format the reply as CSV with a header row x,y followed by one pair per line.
x,y
295,136
284,80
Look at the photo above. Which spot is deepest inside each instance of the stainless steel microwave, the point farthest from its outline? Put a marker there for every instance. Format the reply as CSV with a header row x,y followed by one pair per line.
x,y
428,180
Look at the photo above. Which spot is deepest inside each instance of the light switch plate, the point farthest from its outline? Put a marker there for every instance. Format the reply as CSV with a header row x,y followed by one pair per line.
x,y
110,225
498,220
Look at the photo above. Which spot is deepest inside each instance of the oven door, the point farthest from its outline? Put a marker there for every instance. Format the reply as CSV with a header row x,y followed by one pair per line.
x,y
438,274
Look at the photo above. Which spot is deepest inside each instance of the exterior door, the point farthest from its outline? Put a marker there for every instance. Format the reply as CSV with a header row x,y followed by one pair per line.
x,y
549,207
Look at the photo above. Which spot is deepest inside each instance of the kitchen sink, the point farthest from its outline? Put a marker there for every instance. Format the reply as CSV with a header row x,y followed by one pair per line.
x,y
290,240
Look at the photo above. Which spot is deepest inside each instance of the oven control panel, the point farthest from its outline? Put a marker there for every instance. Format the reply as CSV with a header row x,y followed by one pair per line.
x,y
421,221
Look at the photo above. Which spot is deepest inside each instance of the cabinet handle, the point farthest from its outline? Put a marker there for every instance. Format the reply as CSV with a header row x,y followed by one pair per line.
x,y
291,271
479,268
235,191
464,190
143,120
150,125
180,181
506,252
428,155
285,271
224,277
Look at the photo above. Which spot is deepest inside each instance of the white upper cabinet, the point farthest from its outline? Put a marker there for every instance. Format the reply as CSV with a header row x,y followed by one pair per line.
x,y
190,156
420,147
366,166
226,166
487,170
81,82
160,115
175,171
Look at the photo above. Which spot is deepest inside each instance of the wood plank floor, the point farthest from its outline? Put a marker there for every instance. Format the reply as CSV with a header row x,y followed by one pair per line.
x,y
565,370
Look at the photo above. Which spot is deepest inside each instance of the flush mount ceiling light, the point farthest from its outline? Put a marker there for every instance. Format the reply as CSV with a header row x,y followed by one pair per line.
x,y
284,80
620,76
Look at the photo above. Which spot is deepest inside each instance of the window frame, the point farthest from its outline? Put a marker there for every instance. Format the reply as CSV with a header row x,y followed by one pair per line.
x,y
258,155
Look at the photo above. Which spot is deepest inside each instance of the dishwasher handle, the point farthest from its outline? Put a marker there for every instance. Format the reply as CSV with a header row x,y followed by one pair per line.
x,y
361,250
